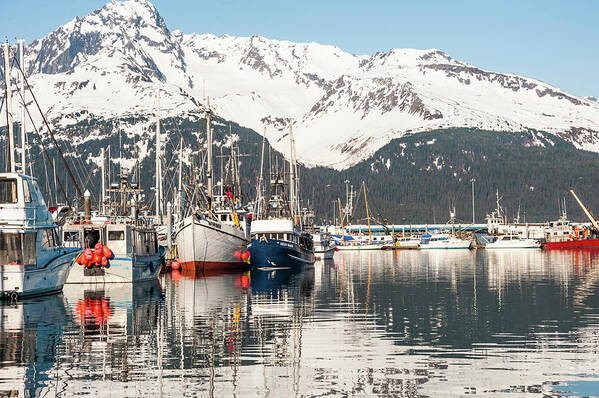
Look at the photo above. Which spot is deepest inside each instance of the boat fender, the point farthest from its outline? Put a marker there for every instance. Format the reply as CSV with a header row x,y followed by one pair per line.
x,y
175,265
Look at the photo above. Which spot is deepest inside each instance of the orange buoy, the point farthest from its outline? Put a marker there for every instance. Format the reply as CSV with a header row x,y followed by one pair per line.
x,y
80,258
97,259
107,252
245,255
98,246
175,265
104,261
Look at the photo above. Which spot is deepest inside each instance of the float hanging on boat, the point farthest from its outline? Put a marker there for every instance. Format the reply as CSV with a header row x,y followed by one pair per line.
x,y
99,256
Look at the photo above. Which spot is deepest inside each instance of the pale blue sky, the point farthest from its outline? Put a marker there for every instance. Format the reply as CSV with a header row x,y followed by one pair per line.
x,y
554,41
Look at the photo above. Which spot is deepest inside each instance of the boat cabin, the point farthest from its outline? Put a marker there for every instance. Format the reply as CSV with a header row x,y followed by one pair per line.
x,y
27,230
122,239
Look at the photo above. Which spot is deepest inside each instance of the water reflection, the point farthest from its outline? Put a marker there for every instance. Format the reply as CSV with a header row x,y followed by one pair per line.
x,y
431,323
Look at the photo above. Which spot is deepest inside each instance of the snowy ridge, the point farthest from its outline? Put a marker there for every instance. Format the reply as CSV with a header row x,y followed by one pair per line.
x,y
343,106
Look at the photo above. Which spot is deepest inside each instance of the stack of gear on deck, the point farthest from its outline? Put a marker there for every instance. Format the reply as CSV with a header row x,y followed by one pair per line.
x,y
99,256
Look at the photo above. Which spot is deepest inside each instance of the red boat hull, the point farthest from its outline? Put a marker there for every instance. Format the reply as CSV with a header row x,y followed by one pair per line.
x,y
572,244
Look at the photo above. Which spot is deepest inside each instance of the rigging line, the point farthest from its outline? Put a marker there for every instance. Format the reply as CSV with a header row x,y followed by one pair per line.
x,y
47,156
51,132
62,190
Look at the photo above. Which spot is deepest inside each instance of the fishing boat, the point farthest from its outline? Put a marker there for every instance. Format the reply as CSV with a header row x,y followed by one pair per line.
x,y
324,246
212,238
32,258
561,234
443,241
513,242
133,241
278,239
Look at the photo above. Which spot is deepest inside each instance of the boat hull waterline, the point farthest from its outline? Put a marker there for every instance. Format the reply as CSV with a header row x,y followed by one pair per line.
x,y
202,246
121,270
572,244
46,280
276,253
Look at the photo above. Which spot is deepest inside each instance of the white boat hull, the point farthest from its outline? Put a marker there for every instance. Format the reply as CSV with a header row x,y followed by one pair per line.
x,y
121,270
361,247
34,282
204,246
447,245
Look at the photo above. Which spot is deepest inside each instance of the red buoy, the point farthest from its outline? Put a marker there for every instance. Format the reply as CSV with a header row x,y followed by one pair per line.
x,y
175,265
245,255
104,262
107,252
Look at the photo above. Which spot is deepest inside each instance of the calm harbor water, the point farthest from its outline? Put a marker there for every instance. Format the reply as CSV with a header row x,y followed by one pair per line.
x,y
416,323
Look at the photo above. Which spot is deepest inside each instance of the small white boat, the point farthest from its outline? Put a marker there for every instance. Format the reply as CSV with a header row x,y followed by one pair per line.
x,y
361,246
404,243
324,246
32,258
443,241
513,242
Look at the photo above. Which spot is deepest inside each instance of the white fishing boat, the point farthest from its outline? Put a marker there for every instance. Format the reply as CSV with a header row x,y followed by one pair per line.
x,y
443,241
212,238
136,255
513,242
324,246
32,259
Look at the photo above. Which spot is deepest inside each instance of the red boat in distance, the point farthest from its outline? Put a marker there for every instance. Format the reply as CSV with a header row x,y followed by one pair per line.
x,y
563,235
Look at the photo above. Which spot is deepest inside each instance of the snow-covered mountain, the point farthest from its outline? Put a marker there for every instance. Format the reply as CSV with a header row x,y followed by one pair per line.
x,y
344,107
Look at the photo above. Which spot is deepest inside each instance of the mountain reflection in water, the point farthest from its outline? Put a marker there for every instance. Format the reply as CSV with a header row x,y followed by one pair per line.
x,y
430,323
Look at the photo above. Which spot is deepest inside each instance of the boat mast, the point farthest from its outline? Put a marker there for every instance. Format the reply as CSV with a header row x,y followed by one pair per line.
x,y
341,219
11,138
158,185
261,179
180,182
103,170
292,193
209,170
23,137
367,213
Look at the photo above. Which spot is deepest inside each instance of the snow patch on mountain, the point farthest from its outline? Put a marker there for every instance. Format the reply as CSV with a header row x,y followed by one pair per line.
x,y
344,107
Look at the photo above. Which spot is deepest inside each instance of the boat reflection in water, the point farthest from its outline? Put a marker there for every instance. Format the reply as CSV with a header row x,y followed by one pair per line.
x,y
29,331
388,323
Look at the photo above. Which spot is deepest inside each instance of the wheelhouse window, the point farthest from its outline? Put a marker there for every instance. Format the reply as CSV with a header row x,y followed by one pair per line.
x,y
116,235
8,191
71,239
49,238
17,248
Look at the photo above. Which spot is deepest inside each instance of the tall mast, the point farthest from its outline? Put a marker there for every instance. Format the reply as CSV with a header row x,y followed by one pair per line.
x,y
9,122
292,192
158,184
367,213
209,170
23,138
103,170
180,182
261,179
341,219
